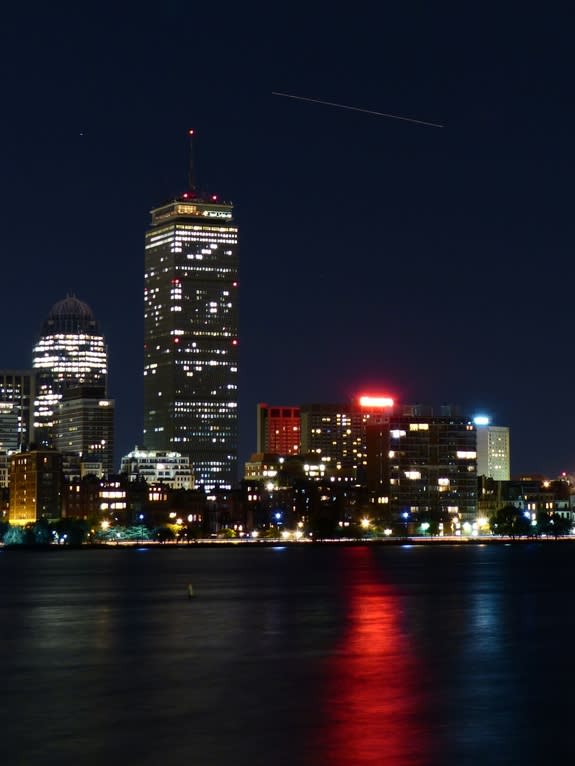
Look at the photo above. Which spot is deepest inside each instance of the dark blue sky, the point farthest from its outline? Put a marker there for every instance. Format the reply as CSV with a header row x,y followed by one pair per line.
x,y
435,264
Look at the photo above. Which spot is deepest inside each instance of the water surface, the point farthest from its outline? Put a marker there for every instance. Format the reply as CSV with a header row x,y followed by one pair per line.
x,y
328,656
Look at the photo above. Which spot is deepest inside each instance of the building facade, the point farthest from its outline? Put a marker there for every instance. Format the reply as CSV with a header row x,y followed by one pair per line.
x,y
35,486
158,467
191,336
338,433
4,470
17,394
84,428
433,468
493,452
278,430
70,352
416,463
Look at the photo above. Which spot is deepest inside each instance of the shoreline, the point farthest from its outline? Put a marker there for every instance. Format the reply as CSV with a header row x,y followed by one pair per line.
x,y
275,543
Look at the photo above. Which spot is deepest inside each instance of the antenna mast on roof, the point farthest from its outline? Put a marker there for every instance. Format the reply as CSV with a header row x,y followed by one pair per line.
x,y
192,175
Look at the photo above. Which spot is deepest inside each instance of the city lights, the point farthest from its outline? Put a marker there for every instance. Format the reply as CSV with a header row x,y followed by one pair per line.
x,y
375,402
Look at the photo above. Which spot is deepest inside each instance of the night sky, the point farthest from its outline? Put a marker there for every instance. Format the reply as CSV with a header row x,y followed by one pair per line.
x,y
434,264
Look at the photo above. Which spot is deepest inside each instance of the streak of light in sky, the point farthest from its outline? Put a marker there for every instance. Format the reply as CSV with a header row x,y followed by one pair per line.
x,y
359,109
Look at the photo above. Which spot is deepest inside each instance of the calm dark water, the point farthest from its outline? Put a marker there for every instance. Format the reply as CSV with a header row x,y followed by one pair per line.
x,y
328,656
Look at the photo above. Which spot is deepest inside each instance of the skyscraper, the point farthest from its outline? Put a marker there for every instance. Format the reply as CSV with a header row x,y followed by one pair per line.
x,y
70,352
191,335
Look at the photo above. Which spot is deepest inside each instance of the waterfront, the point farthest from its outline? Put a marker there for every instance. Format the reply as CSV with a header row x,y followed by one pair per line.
x,y
300,654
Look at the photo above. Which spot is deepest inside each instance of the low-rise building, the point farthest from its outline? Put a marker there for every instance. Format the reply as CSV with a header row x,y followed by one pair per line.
x,y
171,469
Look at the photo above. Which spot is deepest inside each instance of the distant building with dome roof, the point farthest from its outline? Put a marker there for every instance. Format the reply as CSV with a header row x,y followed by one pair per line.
x,y
70,354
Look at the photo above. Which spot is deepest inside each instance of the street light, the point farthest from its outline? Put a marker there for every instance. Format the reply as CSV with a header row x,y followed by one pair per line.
x,y
405,515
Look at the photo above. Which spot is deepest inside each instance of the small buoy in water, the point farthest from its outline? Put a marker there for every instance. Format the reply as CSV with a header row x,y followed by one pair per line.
x,y
191,593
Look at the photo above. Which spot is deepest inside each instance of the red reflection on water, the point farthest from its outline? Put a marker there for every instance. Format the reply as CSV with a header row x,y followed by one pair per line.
x,y
373,711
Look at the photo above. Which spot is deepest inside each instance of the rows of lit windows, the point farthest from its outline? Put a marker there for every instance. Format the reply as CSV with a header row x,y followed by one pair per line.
x,y
187,230
221,273
166,243
62,357
95,355
215,269
73,338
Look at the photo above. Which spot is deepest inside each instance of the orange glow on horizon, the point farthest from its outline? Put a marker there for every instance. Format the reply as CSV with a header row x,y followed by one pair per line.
x,y
375,401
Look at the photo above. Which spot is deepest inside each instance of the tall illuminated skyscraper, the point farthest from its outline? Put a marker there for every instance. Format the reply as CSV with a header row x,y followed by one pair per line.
x,y
70,352
191,334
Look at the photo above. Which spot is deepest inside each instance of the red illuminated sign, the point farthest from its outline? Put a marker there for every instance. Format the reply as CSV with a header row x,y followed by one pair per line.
x,y
377,402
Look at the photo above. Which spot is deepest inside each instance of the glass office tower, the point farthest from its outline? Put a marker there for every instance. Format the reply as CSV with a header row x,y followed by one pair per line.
x,y
70,352
191,336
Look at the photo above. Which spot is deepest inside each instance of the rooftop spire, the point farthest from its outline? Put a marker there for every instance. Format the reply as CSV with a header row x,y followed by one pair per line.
x,y
192,175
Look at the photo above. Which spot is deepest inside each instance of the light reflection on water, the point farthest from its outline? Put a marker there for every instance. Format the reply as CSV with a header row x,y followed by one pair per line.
x,y
372,707
321,656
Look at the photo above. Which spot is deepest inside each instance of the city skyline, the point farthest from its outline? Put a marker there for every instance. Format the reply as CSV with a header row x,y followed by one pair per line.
x,y
374,253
